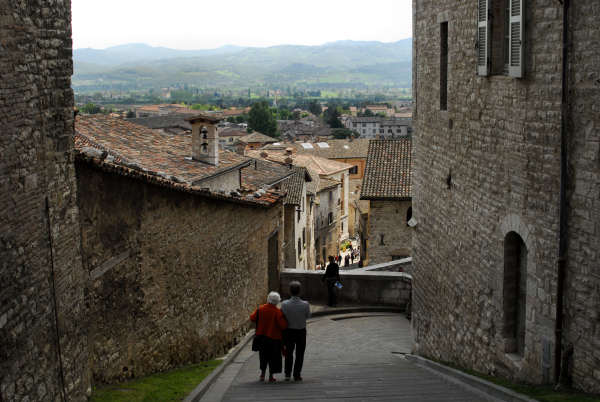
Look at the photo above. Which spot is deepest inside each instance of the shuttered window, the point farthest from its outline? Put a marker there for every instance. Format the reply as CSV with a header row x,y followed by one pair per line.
x,y
515,53
483,35
500,37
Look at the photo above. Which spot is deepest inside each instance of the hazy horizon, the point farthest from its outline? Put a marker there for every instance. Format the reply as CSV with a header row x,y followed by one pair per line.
x,y
234,45
185,25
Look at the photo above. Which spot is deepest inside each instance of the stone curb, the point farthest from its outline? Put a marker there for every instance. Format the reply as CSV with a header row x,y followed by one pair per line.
x,y
491,389
201,388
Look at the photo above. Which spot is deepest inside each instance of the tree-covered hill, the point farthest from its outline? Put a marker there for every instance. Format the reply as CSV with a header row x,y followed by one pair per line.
x,y
345,64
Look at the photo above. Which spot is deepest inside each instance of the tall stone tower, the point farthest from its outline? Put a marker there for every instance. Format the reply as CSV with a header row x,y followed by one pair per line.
x,y
205,139
42,312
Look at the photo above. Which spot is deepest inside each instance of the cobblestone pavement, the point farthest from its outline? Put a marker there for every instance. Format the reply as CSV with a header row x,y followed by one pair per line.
x,y
354,357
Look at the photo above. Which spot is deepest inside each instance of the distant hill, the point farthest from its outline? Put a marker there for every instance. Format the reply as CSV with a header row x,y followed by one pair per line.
x,y
337,64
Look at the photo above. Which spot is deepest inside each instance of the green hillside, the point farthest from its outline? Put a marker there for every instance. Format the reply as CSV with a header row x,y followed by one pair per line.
x,y
343,64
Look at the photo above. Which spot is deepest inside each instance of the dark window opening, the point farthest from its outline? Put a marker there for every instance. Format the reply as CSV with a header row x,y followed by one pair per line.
x,y
514,293
381,243
408,214
353,170
330,218
444,66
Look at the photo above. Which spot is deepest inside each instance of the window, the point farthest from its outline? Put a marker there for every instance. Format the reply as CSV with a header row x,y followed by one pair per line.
x,y
374,131
408,214
500,39
330,218
342,226
381,243
298,212
353,170
299,247
444,66
304,237
382,130
514,293
364,124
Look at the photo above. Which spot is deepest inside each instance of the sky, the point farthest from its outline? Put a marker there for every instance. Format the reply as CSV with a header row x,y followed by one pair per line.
x,y
202,24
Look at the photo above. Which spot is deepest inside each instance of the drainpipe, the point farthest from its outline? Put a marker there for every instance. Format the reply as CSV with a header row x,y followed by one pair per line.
x,y
563,235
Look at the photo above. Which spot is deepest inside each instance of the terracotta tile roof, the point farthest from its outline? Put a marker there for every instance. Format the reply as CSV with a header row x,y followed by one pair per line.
x,y
258,137
261,173
388,174
321,166
232,132
128,149
294,184
167,121
337,149
326,184
138,146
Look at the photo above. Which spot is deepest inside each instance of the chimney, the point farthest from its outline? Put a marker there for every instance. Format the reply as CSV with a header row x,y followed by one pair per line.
x,y
205,138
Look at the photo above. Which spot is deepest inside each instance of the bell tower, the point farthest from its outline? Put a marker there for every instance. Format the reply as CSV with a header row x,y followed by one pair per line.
x,y
205,138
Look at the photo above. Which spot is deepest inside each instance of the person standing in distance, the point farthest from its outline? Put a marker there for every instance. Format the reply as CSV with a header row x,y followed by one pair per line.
x,y
296,312
332,275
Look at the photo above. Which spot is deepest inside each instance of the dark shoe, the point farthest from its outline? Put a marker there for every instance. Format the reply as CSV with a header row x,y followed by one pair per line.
x,y
272,379
298,378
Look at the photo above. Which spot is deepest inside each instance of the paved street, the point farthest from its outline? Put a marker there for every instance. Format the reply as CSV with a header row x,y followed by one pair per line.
x,y
356,357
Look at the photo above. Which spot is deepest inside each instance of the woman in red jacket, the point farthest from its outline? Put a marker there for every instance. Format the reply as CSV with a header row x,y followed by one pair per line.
x,y
271,323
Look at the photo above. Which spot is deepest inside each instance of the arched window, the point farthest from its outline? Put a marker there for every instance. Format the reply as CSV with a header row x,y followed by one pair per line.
x,y
514,293
204,133
408,214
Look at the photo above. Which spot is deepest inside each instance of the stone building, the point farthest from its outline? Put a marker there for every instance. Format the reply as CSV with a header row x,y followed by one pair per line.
x,y
293,182
43,352
505,253
378,127
351,152
252,141
177,251
387,186
330,197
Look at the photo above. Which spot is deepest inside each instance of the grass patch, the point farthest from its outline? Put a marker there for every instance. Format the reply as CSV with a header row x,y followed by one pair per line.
x,y
170,386
543,393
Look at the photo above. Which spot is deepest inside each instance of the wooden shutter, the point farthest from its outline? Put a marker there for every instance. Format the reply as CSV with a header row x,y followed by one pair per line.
x,y
515,51
483,38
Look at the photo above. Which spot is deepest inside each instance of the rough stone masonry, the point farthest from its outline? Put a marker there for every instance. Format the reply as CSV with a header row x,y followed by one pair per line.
x,y
487,171
44,348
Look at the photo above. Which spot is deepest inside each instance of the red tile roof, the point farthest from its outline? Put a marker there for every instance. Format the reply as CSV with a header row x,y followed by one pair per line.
x,y
125,148
388,174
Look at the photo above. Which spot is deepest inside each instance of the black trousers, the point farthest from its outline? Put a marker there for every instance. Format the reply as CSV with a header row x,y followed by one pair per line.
x,y
270,355
331,292
294,339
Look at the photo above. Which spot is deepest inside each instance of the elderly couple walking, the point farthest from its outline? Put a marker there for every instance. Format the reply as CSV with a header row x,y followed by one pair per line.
x,y
282,332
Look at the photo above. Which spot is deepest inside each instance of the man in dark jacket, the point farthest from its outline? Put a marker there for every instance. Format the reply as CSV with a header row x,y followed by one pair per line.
x,y
332,275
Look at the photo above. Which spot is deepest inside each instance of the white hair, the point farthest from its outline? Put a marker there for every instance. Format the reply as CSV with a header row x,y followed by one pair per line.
x,y
273,298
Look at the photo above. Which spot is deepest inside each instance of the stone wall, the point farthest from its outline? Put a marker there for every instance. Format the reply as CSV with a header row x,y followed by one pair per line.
x,y
362,287
490,165
43,354
389,235
173,276
583,276
487,166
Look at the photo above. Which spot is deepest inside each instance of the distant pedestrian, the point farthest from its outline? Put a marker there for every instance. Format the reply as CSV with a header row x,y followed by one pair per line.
x,y
271,323
352,257
347,260
296,311
331,276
